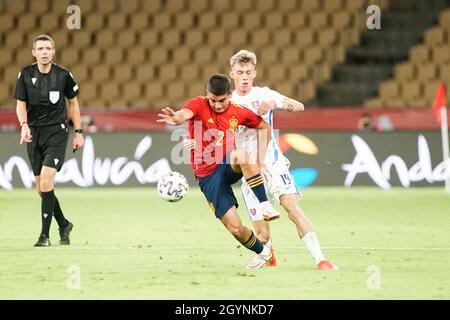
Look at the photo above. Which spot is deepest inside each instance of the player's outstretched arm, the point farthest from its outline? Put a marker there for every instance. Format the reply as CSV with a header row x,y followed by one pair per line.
x,y
288,104
174,118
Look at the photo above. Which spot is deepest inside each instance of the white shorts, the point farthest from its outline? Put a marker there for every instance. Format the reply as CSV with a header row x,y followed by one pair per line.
x,y
282,182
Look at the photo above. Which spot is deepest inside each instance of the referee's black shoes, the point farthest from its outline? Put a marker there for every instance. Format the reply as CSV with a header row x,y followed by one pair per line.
x,y
64,234
43,241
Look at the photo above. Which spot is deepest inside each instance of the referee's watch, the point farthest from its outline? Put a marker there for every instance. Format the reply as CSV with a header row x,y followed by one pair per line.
x,y
79,130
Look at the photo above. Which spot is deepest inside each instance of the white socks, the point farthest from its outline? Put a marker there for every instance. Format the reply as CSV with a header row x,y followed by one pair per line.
x,y
266,251
312,244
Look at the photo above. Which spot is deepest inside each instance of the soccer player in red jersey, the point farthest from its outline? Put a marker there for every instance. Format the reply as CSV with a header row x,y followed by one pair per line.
x,y
216,162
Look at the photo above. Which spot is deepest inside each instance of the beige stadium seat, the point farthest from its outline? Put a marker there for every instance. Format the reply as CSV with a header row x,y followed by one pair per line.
x,y
419,54
7,23
276,72
131,90
14,39
216,37
441,53
10,73
126,38
8,56
109,90
61,39
189,72
93,22
318,20
145,73
282,37
27,22
153,90
354,5
129,6
198,5
16,7
81,39
195,88
223,56
207,70
312,55
168,72
68,57
194,38
430,88
151,7
306,90
181,55
444,20
148,38
275,20
106,7
341,19
290,55
404,71
229,21
389,89
91,56
59,7
100,73
176,92
426,71
434,36
268,55
304,38
104,39
287,5
88,90
411,90
310,5
203,54
139,21
220,5
80,72
331,6
264,6
373,103
260,37
327,37
116,21
396,103
170,38
38,7
136,55
122,73
140,103
162,21
286,88
296,20
5,92
113,56
444,71
207,20
23,57
238,38
251,20
242,5
158,55
322,72
51,21
175,6
184,20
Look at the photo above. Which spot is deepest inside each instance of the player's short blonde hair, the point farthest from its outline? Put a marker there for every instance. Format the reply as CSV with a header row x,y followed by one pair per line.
x,y
243,56
44,37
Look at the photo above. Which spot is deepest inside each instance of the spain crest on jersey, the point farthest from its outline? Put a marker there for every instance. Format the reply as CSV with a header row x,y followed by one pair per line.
x,y
233,123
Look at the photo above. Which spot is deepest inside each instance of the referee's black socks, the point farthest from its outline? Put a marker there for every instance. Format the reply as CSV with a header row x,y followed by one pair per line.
x,y
59,216
256,183
47,207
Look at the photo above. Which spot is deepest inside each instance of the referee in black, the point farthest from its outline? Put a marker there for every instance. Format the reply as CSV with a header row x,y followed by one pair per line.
x,y
41,110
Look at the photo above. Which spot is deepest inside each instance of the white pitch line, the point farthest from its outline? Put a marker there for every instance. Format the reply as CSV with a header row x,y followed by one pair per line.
x,y
112,248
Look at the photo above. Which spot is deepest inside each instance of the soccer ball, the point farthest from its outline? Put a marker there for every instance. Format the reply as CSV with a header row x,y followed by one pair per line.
x,y
173,186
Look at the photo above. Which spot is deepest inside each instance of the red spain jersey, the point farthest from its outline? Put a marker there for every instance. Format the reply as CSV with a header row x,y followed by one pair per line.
x,y
214,133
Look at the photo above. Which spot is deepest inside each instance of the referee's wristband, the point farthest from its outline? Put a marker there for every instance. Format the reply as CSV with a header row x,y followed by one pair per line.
x,y
79,130
22,123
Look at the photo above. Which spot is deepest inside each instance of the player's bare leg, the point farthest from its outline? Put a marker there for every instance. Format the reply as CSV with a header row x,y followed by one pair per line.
x,y
305,231
246,237
240,162
262,230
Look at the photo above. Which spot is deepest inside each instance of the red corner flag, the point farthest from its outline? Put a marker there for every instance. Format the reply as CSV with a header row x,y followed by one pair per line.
x,y
439,102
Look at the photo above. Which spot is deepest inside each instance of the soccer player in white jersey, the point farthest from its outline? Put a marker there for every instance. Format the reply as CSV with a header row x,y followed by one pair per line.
x,y
280,185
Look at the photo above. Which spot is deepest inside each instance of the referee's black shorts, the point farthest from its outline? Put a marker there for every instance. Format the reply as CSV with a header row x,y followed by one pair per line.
x,y
47,147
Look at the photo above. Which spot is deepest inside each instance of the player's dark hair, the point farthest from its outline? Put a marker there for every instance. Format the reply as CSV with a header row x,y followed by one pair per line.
x,y
219,85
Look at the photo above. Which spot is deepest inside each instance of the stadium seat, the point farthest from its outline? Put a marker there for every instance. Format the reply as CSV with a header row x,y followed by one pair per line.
x,y
404,71
175,6
88,91
373,103
327,37
238,38
268,55
318,20
286,88
50,22
286,6
139,21
15,8
104,39
93,22
274,20
68,58
80,73
194,38
195,88
331,6
129,6
153,91
430,88
161,21
264,6
304,38
411,91
91,56
441,53
389,89
182,55
434,36
297,20
113,56
312,55
148,38
14,39
100,73
151,7
188,72
126,38
207,20
27,22
116,21
59,7
8,56
122,73
216,37
229,21
223,56
61,39
198,6
276,72
176,93
136,55
426,71
260,37
109,90
131,90
354,5
106,7
282,37
251,20
220,6
242,5
444,20
168,72
419,54
170,38
81,39
158,55
340,19
203,54
7,23
38,7
145,73
184,20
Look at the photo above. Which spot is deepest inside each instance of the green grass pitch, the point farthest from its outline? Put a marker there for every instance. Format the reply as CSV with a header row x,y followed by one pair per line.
x,y
129,244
